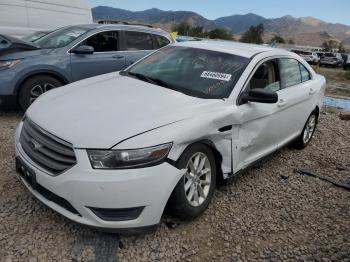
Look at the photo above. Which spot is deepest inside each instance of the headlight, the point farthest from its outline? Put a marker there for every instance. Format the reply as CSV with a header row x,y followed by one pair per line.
x,y
121,159
8,64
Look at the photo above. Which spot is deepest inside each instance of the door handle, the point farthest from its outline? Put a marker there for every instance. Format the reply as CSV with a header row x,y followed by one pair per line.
x,y
312,91
282,102
118,56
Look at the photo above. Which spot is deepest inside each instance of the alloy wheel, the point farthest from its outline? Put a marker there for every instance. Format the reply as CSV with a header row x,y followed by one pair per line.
x,y
309,129
197,179
38,90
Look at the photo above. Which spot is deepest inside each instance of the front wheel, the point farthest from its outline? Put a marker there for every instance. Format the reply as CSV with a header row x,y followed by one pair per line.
x,y
308,131
195,189
34,87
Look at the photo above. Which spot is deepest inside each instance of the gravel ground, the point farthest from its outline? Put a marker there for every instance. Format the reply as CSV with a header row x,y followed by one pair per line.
x,y
267,213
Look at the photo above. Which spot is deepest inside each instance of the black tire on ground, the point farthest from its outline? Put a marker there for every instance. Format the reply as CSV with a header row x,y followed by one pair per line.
x,y
300,142
31,84
178,204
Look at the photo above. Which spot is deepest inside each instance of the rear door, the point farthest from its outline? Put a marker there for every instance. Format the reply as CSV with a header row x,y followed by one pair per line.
x,y
106,58
136,45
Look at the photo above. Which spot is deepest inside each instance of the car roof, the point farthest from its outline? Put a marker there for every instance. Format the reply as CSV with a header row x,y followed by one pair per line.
x,y
231,47
125,27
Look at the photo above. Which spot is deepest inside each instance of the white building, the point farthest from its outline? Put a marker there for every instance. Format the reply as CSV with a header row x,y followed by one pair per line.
x,y
22,17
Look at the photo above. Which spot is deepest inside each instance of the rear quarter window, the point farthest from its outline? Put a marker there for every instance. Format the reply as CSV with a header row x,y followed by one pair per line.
x,y
161,41
138,41
305,75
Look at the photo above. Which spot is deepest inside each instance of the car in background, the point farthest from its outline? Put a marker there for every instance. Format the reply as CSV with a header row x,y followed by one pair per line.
x,y
114,150
27,70
331,59
346,64
310,57
35,36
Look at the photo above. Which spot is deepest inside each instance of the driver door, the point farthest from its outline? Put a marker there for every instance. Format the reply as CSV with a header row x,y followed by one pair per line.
x,y
256,134
105,59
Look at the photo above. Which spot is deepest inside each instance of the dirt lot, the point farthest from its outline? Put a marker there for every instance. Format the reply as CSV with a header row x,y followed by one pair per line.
x,y
338,81
268,213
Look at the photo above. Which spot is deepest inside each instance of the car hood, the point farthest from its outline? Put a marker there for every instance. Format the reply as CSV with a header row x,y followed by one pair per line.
x,y
102,111
10,43
20,54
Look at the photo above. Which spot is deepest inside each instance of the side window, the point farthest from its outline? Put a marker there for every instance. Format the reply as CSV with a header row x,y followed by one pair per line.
x,y
266,77
290,72
103,42
161,41
305,75
138,41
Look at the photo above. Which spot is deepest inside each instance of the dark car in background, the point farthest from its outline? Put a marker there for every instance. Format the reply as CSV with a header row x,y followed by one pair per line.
x,y
346,58
29,69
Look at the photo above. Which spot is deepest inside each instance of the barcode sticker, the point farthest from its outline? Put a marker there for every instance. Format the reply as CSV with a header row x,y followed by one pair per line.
x,y
216,75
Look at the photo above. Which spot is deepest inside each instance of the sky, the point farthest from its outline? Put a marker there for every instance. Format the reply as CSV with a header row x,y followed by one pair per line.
x,y
334,11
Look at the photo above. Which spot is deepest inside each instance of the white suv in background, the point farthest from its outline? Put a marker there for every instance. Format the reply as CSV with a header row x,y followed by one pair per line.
x,y
310,57
114,150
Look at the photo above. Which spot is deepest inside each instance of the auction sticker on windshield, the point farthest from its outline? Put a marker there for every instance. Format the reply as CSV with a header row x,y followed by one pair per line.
x,y
216,75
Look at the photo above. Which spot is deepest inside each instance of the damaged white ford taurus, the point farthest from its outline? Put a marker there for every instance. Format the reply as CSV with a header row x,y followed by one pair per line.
x,y
114,150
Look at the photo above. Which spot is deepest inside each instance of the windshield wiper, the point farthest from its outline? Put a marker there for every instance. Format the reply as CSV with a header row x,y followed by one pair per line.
x,y
148,79
138,76
160,82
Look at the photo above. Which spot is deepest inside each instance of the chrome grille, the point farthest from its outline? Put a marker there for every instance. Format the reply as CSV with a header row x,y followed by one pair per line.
x,y
49,152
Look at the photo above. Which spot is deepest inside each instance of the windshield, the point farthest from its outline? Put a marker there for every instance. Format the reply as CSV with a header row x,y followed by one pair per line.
x,y
61,37
197,72
34,36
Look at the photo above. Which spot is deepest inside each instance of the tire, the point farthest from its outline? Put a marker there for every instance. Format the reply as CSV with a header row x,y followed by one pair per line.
x,y
181,204
35,86
308,131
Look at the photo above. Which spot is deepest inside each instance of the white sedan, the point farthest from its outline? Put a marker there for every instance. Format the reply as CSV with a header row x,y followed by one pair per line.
x,y
114,150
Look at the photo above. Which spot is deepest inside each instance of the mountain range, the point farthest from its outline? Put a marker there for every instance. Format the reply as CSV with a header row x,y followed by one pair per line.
x,y
304,30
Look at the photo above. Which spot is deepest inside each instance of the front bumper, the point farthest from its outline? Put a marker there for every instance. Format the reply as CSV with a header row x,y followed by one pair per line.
x,y
83,187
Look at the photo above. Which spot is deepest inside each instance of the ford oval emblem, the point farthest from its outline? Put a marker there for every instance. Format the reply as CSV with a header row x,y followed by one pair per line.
x,y
34,144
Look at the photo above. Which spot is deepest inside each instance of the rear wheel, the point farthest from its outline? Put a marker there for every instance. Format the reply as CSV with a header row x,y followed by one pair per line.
x,y
34,87
309,129
195,189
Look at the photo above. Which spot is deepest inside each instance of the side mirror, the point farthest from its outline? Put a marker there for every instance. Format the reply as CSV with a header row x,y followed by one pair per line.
x,y
83,50
260,96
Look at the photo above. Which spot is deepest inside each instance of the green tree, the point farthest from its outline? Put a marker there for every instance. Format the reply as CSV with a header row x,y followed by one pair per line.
x,y
186,29
220,33
341,48
330,45
253,35
277,39
183,28
198,31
